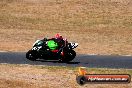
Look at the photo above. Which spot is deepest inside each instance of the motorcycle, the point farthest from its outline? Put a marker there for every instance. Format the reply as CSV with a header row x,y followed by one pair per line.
x,y
40,50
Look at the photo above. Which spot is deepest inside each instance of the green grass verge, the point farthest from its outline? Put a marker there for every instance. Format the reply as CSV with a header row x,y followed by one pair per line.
x,y
75,69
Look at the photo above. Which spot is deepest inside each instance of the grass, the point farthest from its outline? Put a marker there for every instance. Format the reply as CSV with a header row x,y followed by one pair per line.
x,y
15,75
75,69
100,27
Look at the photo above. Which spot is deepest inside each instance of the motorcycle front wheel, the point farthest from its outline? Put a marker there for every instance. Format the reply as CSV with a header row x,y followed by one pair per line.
x,y
31,55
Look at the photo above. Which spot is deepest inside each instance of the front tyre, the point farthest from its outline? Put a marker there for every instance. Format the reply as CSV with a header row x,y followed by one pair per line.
x,y
31,55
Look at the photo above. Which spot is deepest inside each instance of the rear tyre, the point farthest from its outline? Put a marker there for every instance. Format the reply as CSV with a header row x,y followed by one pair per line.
x,y
68,56
31,55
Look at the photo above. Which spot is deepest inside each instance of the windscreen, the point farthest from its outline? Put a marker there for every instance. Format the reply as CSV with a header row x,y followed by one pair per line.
x,y
39,43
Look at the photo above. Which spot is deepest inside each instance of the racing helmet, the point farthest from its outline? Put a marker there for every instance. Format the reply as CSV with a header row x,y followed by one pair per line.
x,y
58,35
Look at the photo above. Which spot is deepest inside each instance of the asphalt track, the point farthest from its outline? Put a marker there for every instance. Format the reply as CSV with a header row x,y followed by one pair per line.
x,y
94,61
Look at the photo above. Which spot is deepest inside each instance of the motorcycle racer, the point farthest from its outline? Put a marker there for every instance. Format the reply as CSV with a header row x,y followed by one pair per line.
x,y
56,48
56,43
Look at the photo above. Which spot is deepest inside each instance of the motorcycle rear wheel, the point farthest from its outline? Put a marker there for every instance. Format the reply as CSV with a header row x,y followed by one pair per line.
x,y
68,56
